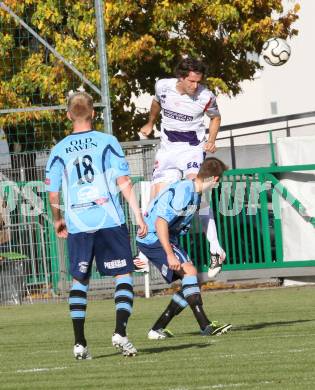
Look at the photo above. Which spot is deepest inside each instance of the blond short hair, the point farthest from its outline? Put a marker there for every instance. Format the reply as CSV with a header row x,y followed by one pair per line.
x,y
80,106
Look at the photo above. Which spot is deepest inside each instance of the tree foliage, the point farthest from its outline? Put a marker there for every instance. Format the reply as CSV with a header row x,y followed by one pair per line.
x,y
145,39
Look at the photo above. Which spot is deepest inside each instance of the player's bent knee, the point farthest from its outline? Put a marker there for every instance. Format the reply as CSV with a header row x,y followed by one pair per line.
x,y
189,269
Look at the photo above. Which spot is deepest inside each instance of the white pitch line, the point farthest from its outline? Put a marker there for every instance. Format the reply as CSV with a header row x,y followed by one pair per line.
x,y
41,351
40,369
221,386
260,353
236,355
137,361
270,336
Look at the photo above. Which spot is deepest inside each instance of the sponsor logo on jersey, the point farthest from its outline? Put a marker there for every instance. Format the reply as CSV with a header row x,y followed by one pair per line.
x,y
193,164
101,201
119,263
88,194
178,116
96,202
164,270
76,145
83,267
81,205
123,166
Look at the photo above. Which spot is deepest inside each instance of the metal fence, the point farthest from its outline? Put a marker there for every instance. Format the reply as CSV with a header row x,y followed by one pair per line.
x,y
248,218
31,104
34,263
25,269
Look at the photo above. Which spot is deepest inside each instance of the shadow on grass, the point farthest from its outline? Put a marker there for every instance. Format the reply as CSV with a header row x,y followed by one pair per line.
x,y
259,325
262,325
146,351
172,348
106,356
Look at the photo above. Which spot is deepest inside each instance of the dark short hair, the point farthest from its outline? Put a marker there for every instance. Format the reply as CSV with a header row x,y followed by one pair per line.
x,y
211,166
189,64
80,106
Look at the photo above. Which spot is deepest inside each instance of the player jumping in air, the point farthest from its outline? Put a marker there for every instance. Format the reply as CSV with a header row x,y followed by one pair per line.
x,y
169,215
89,166
182,102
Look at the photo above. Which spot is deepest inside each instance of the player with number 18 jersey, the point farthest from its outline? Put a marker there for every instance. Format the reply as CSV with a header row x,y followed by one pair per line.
x,y
86,166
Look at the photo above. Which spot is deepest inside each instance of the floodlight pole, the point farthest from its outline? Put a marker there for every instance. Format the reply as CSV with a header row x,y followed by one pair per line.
x,y
101,43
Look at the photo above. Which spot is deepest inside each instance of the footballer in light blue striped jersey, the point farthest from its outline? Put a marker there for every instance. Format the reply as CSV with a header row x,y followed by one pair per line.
x,y
86,166
90,168
169,215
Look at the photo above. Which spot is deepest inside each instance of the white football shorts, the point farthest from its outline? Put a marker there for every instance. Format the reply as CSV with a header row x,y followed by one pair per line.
x,y
175,164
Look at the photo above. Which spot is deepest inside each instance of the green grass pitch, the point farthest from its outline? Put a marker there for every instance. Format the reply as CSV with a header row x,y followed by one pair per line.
x,y
272,345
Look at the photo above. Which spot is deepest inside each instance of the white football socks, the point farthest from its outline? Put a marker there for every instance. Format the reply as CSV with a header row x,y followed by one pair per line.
x,y
209,228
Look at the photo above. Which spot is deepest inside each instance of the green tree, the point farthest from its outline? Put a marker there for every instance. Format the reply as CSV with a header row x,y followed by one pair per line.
x,y
145,39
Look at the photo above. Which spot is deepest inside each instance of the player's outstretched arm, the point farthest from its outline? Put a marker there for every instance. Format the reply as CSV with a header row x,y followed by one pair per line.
x,y
126,188
214,127
155,110
59,223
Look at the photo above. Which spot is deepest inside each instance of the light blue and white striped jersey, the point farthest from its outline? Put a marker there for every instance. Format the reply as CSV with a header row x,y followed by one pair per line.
x,y
177,204
86,166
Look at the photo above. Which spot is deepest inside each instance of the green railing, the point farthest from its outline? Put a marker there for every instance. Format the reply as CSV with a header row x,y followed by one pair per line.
x,y
247,211
246,206
29,228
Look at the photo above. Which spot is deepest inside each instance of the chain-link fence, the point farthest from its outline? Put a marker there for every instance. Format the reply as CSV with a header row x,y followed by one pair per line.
x,y
34,262
48,49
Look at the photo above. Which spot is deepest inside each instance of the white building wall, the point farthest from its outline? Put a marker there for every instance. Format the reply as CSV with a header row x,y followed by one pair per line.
x,y
291,85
